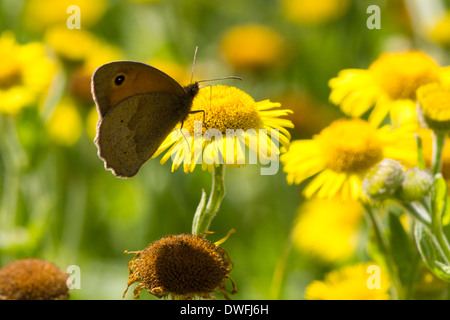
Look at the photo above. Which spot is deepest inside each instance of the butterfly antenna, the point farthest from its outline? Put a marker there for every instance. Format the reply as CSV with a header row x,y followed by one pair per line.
x,y
224,78
193,64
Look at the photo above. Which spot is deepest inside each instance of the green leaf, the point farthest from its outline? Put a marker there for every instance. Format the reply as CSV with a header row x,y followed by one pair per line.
x,y
439,197
431,252
401,247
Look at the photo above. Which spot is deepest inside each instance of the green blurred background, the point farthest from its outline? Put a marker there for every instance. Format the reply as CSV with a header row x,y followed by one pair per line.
x,y
59,203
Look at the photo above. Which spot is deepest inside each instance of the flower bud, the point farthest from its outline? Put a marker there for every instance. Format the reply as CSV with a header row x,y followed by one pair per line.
x,y
416,184
434,106
383,180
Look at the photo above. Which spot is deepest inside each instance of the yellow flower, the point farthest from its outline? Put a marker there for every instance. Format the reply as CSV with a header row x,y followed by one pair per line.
x,y
354,282
65,124
440,32
232,122
71,45
306,12
434,102
42,14
25,73
328,228
389,84
342,153
252,47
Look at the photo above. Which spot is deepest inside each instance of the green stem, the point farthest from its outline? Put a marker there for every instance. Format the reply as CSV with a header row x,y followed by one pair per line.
x,y
385,250
418,211
438,146
204,215
280,267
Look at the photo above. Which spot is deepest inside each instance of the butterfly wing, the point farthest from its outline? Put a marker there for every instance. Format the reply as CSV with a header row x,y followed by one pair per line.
x,y
133,129
139,78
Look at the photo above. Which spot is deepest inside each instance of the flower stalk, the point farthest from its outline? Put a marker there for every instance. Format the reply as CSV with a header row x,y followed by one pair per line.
x,y
438,146
383,246
205,213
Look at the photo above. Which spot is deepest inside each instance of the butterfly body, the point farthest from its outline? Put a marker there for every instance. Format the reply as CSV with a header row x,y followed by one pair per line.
x,y
138,107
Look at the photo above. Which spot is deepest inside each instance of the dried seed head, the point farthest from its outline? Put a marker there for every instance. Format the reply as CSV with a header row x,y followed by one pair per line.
x,y
33,279
183,266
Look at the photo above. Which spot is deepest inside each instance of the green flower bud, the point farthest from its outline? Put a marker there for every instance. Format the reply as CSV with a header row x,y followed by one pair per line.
x,y
416,184
383,180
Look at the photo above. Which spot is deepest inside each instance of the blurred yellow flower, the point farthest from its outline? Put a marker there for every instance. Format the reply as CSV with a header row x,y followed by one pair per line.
x,y
65,124
342,153
351,283
25,73
252,46
306,12
228,108
73,46
389,84
328,228
40,14
440,32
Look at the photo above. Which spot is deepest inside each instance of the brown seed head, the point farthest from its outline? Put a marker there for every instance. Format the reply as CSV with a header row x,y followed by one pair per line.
x,y
183,266
33,279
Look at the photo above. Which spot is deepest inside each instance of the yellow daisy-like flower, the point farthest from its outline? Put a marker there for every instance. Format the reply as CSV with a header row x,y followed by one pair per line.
x,y
434,102
25,73
252,47
341,154
306,12
328,228
389,84
227,121
364,281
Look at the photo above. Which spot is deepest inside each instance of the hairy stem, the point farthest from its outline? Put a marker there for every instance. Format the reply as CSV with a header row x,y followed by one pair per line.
x,y
205,214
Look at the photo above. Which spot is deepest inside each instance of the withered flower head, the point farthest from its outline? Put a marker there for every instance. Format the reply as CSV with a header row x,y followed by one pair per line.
x,y
183,266
33,279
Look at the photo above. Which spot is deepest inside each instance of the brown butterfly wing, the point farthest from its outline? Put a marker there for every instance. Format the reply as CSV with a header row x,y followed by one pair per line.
x,y
140,78
132,130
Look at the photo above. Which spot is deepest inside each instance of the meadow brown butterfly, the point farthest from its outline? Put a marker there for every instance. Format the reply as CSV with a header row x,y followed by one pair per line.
x,y
138,107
